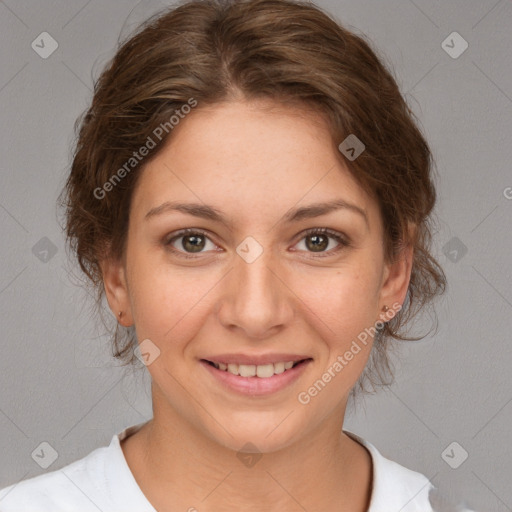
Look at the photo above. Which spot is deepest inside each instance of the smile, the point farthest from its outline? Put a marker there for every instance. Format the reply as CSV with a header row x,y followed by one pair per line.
x,y
256,379
264,371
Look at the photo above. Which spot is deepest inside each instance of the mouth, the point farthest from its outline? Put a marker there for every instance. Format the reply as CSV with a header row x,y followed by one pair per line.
x,y
261,380
262,371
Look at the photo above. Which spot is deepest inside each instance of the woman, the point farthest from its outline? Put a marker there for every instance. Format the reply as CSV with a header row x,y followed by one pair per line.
x,y
252,196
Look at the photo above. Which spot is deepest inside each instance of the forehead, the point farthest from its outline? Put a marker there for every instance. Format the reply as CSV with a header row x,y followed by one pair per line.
x,y
252,157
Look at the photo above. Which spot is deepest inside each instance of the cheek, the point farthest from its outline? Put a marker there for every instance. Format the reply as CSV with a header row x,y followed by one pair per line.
x,y
341,308
344,299
167,303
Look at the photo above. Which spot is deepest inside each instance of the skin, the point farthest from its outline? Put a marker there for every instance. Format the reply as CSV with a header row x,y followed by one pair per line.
x,y
253,161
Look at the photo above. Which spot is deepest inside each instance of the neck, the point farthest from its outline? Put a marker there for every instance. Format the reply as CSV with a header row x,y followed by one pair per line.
x,y
179,468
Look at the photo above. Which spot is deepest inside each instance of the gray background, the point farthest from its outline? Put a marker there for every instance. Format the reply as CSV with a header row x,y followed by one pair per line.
x,y
58,381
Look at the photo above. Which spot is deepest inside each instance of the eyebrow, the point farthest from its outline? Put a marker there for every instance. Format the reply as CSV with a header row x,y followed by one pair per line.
x,y
297,214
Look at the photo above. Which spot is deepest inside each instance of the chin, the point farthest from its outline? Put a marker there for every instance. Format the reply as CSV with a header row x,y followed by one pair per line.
x,y
256,436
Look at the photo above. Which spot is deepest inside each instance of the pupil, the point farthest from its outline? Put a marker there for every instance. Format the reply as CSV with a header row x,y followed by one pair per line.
x,y
315,246
196,244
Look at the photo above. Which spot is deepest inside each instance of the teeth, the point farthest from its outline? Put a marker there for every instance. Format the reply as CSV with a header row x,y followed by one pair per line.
x,y
233,368
250,370
279,367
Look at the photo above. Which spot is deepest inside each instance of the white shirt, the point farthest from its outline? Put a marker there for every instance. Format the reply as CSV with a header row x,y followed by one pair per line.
x,y
102,481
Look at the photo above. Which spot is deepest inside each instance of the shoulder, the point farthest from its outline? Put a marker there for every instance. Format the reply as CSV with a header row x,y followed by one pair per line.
x,y
394,486
63,489
99,481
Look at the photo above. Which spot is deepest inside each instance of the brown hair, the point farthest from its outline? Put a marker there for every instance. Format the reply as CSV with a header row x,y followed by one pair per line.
x,y
288,51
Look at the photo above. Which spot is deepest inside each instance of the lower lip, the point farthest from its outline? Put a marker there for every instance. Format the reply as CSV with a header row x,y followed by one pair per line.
x,y
257,386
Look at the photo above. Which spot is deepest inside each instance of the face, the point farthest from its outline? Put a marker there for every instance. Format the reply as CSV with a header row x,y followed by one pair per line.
x,y
256,279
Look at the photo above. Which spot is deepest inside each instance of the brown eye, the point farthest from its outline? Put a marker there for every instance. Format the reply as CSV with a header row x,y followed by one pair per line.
x,y
189,241
317,243
318,240
193,243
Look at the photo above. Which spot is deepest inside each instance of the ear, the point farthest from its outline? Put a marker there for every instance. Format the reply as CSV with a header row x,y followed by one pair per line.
x,y
396,278
116,290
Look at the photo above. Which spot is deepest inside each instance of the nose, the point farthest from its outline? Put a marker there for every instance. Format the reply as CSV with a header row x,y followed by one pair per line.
x,y
256,300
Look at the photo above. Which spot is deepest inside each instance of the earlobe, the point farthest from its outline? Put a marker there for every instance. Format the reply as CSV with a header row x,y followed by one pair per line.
x,y
116,290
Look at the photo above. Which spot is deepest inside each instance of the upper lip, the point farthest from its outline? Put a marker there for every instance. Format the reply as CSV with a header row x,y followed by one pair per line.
x,y
255,359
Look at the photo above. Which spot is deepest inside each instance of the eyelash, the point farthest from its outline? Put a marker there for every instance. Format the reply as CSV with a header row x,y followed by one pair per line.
x,y
343,241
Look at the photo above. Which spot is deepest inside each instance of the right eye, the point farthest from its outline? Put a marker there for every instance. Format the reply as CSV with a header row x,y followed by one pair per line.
x,y
192,242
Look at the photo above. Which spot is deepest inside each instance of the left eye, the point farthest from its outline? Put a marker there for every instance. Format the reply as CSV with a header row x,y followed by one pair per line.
x,y
315,240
